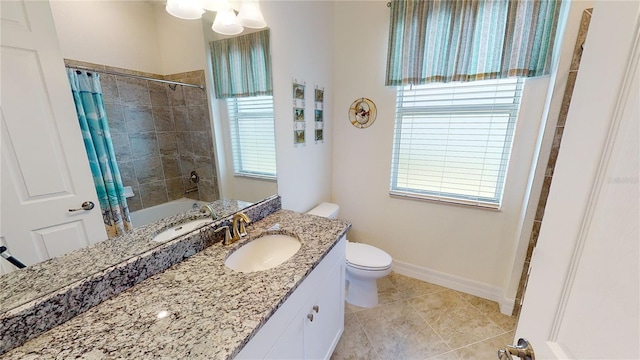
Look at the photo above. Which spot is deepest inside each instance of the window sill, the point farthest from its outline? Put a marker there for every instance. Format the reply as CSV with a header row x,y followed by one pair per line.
x,y
444,200
256,176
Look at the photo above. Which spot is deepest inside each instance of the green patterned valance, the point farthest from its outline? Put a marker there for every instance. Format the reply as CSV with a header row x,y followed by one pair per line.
x,y
467,40
242,66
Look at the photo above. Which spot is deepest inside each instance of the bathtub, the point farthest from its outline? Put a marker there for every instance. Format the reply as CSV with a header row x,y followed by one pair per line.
x,y
152,214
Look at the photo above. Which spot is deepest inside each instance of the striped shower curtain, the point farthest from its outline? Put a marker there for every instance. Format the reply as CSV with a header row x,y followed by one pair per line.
x,y
87,95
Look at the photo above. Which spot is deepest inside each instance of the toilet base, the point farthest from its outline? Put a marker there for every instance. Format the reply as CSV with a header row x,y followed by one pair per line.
x,y
362,287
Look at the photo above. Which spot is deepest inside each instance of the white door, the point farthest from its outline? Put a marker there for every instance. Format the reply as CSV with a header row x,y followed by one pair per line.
x,y
45,171
582,300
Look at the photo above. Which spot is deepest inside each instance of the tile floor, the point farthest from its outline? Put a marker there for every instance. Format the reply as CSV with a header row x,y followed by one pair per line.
x,y
419,320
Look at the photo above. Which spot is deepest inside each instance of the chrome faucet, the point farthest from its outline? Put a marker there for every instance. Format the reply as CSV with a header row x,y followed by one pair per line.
x,y
208,208
239,221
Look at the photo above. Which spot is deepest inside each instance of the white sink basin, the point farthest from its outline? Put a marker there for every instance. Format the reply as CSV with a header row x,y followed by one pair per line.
x,y
263,253
180,230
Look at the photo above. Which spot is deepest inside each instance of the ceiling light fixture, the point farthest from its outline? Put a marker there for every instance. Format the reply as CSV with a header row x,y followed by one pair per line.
x,y
250,15
185,9
226,21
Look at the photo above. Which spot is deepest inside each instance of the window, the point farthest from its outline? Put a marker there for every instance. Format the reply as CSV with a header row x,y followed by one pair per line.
x,y
252,136
452,141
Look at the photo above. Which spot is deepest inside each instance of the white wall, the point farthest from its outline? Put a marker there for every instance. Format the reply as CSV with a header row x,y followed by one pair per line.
x,y
467,248
138,35
115,33
301,48
231,186
341,46
181,43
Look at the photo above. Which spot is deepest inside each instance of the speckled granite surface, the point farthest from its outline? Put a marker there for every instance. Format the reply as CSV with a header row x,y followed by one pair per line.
x,y
45,295
210,310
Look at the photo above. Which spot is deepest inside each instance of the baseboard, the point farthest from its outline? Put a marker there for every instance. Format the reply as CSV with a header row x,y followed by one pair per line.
x,y
467,286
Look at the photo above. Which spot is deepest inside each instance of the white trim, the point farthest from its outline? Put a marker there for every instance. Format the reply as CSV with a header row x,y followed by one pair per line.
x,y
558,351
454,282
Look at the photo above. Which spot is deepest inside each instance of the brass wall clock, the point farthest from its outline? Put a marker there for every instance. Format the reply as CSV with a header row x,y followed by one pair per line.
x,y
362,113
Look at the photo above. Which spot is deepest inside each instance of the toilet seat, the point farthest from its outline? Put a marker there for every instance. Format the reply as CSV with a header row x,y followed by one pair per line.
x,y
367,257
366,268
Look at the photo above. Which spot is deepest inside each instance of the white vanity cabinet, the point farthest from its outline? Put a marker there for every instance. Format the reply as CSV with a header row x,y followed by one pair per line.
x,y
310,322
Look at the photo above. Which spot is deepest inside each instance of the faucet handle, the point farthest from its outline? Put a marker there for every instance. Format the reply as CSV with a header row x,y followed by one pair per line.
x,y
243,230
244,220
227,234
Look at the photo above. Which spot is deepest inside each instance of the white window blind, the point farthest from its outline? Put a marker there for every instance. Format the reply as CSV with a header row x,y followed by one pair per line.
x,y
452,141
252,136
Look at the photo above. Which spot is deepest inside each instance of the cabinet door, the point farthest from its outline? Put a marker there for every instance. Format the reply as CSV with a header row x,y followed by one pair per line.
x,y
290,344
287,332
322,334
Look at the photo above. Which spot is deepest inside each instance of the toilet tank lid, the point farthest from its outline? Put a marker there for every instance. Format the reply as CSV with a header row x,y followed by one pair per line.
x,y
325,209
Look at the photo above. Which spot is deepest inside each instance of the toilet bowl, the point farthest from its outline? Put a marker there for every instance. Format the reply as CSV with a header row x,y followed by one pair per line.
x,y
365,264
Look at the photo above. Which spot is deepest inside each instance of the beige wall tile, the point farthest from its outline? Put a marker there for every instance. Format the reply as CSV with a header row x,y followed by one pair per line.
x,y
153,193
148,169
133,91
582,36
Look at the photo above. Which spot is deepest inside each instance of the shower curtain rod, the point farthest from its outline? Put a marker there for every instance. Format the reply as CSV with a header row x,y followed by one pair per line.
x,y
133,76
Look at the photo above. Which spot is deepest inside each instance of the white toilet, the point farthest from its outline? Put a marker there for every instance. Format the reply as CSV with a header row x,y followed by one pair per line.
x,y
365,264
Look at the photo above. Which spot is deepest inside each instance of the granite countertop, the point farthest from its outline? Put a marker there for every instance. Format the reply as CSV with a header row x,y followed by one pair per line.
x,y
198,308
19,287
45,295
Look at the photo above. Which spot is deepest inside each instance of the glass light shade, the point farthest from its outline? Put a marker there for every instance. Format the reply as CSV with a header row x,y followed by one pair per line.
x,y
250,15
185,9
226,23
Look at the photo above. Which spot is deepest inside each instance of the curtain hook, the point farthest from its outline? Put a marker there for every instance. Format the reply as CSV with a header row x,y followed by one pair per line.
x,y
389,4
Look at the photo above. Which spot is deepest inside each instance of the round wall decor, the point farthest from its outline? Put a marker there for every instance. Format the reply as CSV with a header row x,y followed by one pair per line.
x,y
362,113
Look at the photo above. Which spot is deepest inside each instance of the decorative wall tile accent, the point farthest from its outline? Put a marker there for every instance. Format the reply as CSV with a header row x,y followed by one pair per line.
x,y
319,114
299,113
553,156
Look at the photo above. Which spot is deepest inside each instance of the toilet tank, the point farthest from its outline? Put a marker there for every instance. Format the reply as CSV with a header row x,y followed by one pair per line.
x,y
325,209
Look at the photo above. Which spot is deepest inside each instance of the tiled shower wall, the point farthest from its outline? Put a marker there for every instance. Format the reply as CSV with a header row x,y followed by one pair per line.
x,y
161,133
553,156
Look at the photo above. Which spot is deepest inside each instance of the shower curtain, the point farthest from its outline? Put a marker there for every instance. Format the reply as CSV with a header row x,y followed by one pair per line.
x,y
87,95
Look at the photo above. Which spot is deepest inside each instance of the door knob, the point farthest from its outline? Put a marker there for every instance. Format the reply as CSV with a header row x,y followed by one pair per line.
x,y
523,350
87,205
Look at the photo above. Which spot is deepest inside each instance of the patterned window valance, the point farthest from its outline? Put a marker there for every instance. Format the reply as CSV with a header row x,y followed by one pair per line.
x,y
467,40
242,66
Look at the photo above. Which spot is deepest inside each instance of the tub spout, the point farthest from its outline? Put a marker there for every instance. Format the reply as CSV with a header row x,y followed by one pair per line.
x,y
208,208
